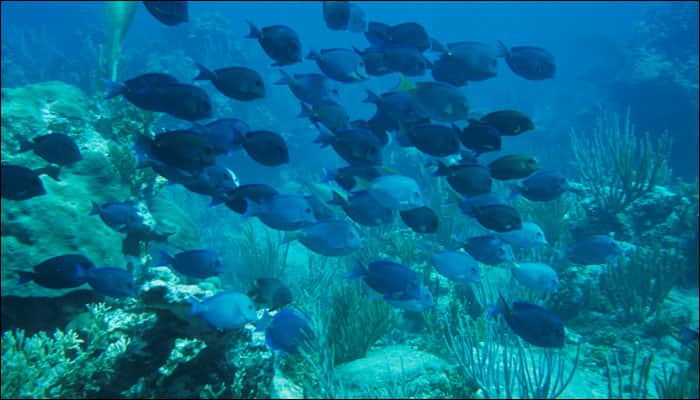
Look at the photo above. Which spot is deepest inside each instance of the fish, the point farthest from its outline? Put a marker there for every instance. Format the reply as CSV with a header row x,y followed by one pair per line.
x,y
222,133
395,192
357,22
185,101
363,209
342,65
279,42
131,245
345,176
433,139
118,215
374,61
529,235
111,281
408,34
336,15
200,263
513,166
56,148
441,101
595,249
391,279
21,183
330,237
530,62
421,219
240,83
398,106
285,212
266,147
286,332
492,212
182,149
419,303
488,249
356,146
688,335
309,88
169,13
378,125
480,137
508,122
543,185
272,292
462,62
533,323
236,199
60,272
141,91
215,181
536,276
457,266
330,113
467,178
224,311
407,60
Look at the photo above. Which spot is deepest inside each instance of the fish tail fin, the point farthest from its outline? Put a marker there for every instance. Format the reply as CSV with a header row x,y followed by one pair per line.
x,y
252,208
50,170
371,97
503,50
286,79
95,208
325,136
688,335
263,322
501,307
114,89
337,200
357,272
142,149
194,307
437,46
442,169
329,174
290,236
254,32
24,145
204,74
165,258
313,55
306,111
24,277
515,191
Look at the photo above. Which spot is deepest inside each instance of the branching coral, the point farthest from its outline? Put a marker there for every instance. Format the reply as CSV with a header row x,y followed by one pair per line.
x,y
618,166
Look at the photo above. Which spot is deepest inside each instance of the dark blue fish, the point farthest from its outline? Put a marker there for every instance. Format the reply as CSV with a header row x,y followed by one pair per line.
x,y
467,178
133,242
466,61
111,281
279,42
596,249
508,122
533,63
22,183
342,65
266,147
240,83
421,219
286,332
330,113
55,148
392,279
406,60
533,323
309,88
271,292
118,215
408,34
200,263
457,266
345,176
236,200
480,137
362,208
377,125
336,14
60,272
222,134
489,249
356,146
492,212
181,149
215,181
433,139
184,101
398,106
168,12
543,185
374,61
141,91
225,311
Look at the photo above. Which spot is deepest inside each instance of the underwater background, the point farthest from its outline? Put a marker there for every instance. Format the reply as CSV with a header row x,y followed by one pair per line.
x,y
442,200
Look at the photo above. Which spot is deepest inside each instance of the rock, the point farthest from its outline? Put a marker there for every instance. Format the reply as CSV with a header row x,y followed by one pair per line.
x,y
395,371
